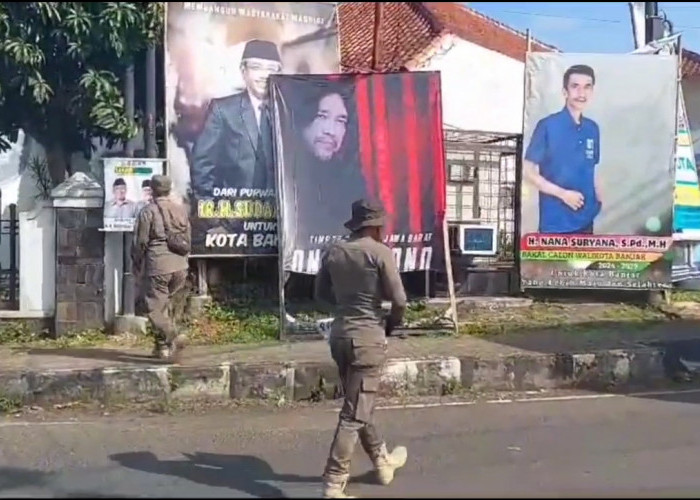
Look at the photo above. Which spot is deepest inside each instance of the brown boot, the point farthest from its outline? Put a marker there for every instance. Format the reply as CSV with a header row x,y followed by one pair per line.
x,y
335,489
387,463
178,345
161,352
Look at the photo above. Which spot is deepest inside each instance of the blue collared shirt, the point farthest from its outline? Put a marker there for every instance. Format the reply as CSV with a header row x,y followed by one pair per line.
x,y
567,154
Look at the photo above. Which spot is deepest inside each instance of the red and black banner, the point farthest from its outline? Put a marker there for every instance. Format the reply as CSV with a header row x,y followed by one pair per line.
x,y
339,138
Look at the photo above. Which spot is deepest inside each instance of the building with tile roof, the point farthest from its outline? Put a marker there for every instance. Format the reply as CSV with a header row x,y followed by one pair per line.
x,y
480,59
411,33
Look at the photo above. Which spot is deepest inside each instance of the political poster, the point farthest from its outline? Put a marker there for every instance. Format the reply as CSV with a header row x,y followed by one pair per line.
x,y
597,197
686,209
219,56
342,138
686,206
127,190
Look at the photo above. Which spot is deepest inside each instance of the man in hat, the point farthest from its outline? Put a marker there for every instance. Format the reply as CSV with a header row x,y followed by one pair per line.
x,y
120,207
234,149
166,271
355,277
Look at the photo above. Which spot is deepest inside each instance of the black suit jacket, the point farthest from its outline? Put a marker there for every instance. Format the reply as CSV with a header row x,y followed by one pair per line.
x,y
230,152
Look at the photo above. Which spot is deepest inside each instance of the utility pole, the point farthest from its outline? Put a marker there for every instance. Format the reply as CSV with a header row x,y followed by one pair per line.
x,y
654,24
128,284
149,128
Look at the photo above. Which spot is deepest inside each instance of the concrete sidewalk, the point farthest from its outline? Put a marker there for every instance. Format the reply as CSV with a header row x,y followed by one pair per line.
x,y
615,356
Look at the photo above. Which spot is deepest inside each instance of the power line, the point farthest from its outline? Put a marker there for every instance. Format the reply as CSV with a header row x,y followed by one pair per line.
x,y
539,14
586,19
685,6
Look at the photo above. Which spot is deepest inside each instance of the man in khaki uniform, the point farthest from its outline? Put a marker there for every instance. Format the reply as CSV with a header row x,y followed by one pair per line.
x,y
355,276
166,272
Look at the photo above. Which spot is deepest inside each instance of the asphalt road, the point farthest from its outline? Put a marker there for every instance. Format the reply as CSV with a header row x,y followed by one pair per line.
x,y
620,446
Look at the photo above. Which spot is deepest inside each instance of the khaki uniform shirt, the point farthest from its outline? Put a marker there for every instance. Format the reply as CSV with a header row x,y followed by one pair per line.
x,y
150,247
356,276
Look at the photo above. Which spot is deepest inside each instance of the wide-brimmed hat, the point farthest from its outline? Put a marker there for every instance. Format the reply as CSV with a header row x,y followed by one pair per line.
x,y
365,214
161,184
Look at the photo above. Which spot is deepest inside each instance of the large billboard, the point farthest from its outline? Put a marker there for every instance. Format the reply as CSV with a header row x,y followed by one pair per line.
x,y
219,56
598,171
686,217
345,137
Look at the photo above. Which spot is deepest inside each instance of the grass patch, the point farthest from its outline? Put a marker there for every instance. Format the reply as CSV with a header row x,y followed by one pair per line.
x,y
420,314
236,323
563,317
223,324
17,333
685,296
10,404
21,334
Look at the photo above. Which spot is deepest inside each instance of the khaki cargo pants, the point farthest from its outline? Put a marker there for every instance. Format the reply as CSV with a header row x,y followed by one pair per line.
x,y
360,363
159,292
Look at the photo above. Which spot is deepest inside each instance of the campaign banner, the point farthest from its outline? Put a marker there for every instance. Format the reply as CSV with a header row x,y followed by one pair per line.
x,y
686,207
127,190
341,138
219,56
597,197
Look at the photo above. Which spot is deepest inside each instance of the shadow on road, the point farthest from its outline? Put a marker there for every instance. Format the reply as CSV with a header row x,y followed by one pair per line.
x,y
244,473
114,355
689,396
14,477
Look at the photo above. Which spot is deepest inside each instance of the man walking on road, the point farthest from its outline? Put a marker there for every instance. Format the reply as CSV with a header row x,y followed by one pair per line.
x,y
355,276
165,264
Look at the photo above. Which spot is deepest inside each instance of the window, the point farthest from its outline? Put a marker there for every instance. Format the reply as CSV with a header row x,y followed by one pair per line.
x,y
463,171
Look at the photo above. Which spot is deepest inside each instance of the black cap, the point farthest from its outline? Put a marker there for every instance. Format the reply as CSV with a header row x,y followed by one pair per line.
x,y
146,183
261,49
119,182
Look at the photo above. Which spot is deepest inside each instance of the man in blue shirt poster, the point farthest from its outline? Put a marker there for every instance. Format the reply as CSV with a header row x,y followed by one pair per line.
x,y
561,160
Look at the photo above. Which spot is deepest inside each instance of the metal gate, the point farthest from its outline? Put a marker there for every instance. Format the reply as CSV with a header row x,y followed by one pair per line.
x,y
9,258
483,188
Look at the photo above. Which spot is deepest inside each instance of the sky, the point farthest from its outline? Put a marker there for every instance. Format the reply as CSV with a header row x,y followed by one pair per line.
x,y
593,27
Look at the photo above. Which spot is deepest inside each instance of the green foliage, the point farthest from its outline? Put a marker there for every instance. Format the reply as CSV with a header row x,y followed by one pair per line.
x,y
16,332
420,315
10,404
234,325
39,169
21,333
60,70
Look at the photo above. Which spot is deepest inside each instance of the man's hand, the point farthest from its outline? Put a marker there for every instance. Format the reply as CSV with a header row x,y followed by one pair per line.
x,y
573,199
389,326
137,269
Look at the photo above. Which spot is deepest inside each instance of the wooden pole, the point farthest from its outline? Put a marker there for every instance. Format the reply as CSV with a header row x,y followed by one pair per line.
x,y
450,277
377,38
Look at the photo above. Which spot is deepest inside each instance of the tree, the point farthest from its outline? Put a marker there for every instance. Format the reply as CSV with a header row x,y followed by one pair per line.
x,y
61,65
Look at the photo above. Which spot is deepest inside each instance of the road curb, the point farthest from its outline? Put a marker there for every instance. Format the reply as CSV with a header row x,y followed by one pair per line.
x,y
426,376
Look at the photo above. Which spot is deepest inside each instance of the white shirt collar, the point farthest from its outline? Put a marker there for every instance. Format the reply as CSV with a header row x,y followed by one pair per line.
x,y
257,103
